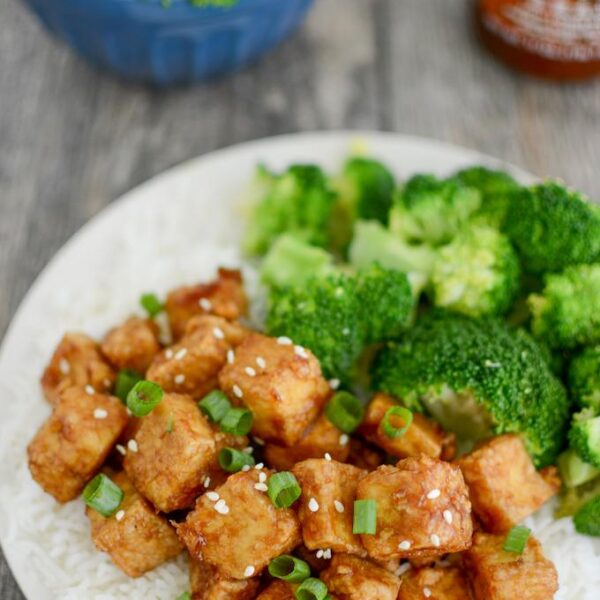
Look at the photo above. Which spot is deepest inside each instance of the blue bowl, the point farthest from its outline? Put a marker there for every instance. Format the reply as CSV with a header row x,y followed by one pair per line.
x,y
142,40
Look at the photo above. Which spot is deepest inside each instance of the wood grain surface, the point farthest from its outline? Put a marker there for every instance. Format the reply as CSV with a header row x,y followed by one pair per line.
x,y
72,139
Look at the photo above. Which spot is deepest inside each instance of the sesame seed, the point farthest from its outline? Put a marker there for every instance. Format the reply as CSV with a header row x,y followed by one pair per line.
x,y
433,494
213,496
284,341
327,553
338,506
404,545
313,505
261,362
403,568
447,517
249,571
132,445
261,487
319,554
120,514
218,333
89,390
344,439
435,540
230,356
100,413
221,507
179,378
121,449
426,592
300,351
205,304
248,450
206,482
334,384
260,466
64,366
262,477
237,390
258,441
169,353
180,353
327,456
250,372
246,468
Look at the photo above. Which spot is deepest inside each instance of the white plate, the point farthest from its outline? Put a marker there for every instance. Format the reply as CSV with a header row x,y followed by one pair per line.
x,y
176,228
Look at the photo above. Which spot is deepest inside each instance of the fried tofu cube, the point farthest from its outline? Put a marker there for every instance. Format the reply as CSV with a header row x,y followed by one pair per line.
x,y
435,583
499,575
191,366
71,446
278,590
76,362
172,453
503,484
423,509
320,438
280,383
132,345
224,297
364,455
135,537
326,505
237,529
423,436
353,578
208,584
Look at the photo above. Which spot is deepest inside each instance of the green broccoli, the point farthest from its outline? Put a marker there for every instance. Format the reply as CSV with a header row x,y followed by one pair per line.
x,y
298,202
478,273
567,312
587,518
584,378
584,436
477,377
496,189
552,228
365,190
574,472
432,210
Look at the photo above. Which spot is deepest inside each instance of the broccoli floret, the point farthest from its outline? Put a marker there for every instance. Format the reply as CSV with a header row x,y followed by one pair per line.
x,y
321,315
552,228
574,472
496,189
386,303
584,379
477,377
365,190
291,262
432,210
478,273
587,518
584,436
567,312
298,202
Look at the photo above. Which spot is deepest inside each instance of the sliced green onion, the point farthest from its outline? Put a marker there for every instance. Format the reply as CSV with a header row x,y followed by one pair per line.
x,y
185,596
312,589
151,304
365,517
289,568
237,421
103,495
126,379
232,460
516,539
144,397
215,405
170,423
345,411
283,489
396,412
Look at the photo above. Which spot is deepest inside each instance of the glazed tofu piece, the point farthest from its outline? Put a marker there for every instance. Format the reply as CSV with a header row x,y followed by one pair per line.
x,y
353,578
208,584
71,446
423,509
280,383
435,583
76,362
320,438
503,484
172,453
135,537
132,345
499,575
326,505
364,455
224,297
191,366
237,529
278,590
423,436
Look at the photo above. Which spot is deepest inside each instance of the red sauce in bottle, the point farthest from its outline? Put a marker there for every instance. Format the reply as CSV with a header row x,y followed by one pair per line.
x,y
556,39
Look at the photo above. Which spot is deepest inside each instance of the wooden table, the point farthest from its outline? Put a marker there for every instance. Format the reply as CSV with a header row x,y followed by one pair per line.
x,y
72,139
